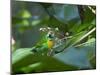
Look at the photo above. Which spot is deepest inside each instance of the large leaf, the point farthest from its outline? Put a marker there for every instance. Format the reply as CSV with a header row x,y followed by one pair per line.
x,y
78,56
65,13
25,60
47,64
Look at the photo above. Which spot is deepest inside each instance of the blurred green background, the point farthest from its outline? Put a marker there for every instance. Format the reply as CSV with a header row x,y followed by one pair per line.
x,y
29,46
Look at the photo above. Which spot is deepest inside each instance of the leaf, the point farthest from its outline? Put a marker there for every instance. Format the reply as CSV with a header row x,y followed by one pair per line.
x,y
21,58
20,54
26,61
75,38
47,64
89,15
79,56
24,14
65,13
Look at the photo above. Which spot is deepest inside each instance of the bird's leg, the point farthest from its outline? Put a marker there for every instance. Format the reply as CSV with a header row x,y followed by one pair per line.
x,y
50,53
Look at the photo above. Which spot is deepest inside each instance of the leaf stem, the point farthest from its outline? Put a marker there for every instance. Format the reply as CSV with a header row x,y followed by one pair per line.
x,y
91,31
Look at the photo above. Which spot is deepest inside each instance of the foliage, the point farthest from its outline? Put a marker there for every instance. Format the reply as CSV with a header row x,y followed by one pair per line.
x,y
74,51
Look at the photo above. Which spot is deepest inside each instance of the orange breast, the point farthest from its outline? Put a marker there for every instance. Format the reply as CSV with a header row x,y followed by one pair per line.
x,y
50,43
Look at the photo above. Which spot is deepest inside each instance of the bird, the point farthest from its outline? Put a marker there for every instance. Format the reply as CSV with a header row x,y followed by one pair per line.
x,y
50,42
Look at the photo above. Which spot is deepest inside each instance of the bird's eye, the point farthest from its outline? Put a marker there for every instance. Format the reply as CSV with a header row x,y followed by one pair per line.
x,y
50,36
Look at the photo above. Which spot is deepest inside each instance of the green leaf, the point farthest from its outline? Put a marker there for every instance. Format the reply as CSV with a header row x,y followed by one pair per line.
x,y
79,56
26,61
48,64
89,16
25,14
65,13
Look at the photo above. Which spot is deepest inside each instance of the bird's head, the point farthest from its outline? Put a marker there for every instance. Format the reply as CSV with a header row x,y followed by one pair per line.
x,y
50,35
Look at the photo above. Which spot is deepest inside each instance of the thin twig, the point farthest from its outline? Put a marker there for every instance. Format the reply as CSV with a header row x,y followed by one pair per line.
x,y
91,31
